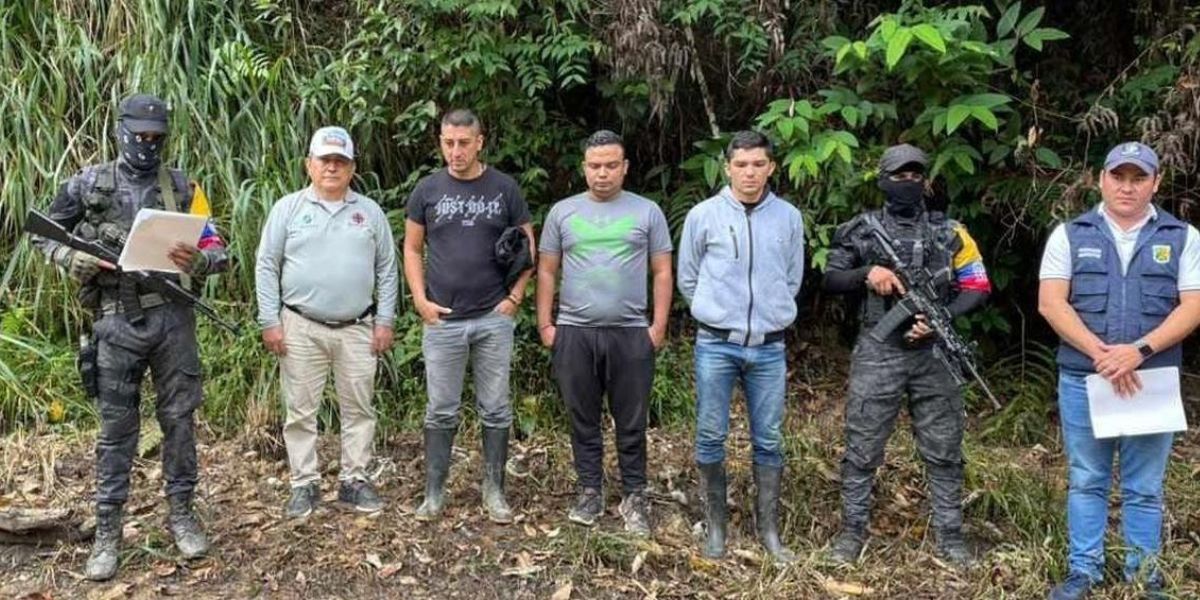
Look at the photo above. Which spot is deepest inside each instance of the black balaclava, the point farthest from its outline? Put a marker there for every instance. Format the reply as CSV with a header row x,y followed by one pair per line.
x,y
141,114
141,155
904,198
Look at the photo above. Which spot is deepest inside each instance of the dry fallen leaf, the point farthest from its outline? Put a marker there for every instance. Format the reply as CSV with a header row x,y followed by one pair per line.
x,y
300,578
637,563
389,570
373,560
522,571
834,586
563,592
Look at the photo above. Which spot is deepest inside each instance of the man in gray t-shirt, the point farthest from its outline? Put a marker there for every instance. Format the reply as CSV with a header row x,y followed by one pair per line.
x,y
601,342
604,249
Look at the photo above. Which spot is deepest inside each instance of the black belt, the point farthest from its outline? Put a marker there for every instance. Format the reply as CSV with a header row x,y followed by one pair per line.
x,y
335,324
724,334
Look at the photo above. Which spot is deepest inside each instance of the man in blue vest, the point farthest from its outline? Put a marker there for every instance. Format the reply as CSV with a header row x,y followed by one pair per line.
x,y
1121,286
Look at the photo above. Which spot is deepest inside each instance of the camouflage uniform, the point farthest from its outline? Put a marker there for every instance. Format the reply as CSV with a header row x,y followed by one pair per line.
x,y
881,373
136,329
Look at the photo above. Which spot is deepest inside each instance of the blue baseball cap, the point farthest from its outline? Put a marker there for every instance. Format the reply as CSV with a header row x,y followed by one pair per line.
x,y
1132,153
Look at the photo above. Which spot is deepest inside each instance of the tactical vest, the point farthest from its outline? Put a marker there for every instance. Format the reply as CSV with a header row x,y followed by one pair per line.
x,y
107,219
1121,308
925,243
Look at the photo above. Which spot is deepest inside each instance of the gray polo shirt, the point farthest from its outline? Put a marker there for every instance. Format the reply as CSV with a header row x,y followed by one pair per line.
x,y
329,261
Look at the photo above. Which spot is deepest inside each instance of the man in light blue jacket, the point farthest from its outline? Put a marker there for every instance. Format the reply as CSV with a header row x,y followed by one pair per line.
x,y
741,262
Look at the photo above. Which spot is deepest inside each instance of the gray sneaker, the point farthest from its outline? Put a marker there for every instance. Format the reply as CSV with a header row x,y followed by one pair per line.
x,y
304,499
635,509
359,495
588,507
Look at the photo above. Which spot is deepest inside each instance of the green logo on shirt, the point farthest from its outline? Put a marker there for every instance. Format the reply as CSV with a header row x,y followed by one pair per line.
x,y
611,238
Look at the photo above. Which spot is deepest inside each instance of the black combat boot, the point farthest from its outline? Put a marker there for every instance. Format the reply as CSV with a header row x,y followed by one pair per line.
x,y
438,443
189,538
106,547
716,509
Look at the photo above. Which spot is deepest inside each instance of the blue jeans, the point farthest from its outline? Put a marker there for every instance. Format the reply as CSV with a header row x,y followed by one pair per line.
x,y
762,371
1143,461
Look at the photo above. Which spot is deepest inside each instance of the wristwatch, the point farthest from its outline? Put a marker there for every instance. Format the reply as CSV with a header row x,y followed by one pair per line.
x,y
1143,347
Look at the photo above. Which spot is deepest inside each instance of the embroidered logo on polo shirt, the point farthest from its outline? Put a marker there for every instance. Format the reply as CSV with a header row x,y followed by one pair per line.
x,y
1089,252
1162,254
358,218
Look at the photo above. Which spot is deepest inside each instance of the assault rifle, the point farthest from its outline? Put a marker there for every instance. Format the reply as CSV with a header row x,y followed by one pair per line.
x,y
40,225
921,298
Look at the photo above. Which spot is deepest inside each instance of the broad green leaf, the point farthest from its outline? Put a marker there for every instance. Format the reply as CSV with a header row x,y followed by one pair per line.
x,y
803,108
985,116
984,100
955,116
834,42
1008,20
711,172
887,29
897,46
1043,34
844,152
786,128
930,36
1030,21
1048,157
860,48
850,115
845,137
826,149
964,162
801,124
841,54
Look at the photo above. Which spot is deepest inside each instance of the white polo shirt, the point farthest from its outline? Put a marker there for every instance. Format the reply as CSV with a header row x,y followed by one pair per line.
x,y
1056,260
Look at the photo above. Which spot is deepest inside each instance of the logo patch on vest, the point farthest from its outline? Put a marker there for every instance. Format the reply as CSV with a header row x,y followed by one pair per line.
x,y
1088,252
1162,254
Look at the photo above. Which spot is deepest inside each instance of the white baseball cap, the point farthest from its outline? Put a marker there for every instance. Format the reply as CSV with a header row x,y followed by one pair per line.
x,y
328,141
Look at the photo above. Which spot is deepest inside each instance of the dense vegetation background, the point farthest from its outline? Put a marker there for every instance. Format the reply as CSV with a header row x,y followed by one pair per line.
x,y
1017,101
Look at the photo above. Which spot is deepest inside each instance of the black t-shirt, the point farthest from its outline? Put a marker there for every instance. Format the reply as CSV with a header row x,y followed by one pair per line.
x,y
463,220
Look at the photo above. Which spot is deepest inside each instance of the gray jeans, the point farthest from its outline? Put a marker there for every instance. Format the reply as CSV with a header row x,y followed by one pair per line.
x,y
487,342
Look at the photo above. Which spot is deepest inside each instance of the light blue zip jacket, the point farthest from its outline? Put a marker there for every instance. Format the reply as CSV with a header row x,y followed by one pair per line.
x,y
741,271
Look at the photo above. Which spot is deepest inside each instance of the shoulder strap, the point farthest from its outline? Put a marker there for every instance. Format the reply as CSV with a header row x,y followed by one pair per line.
x,y
166,190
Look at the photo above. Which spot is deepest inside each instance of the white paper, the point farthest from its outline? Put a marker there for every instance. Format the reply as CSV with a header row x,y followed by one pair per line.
x,y
1156,408
152,236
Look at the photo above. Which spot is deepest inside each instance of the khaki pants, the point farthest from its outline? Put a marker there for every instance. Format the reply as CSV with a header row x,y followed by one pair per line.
x,y
312,349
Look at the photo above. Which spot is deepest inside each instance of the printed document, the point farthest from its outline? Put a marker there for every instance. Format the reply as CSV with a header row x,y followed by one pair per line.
x,y
1156,408
152,236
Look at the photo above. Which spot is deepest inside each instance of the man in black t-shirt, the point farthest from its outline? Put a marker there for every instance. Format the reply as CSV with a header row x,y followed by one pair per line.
x,y
455,217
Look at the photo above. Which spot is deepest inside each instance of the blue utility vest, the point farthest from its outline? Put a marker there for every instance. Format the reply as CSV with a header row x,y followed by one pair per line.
x,y
1118,308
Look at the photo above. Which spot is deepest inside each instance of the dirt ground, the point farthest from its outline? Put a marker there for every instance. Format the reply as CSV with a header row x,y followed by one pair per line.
x,y
336,554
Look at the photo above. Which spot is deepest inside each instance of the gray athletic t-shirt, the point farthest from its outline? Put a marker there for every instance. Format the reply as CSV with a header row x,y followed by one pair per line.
x,y
606,249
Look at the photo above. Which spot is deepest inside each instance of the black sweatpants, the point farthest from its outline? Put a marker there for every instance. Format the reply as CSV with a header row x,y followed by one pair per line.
x,y
590,363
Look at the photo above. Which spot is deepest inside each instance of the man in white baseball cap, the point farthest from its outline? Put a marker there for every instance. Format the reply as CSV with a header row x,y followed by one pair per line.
x,y
326,280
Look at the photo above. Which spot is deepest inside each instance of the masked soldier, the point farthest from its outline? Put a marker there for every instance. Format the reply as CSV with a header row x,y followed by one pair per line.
x,y
136,329
904,363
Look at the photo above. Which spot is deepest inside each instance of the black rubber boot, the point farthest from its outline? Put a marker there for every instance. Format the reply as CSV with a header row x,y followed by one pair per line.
x,y
716,510
767,480
495,457
106,547
438,443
